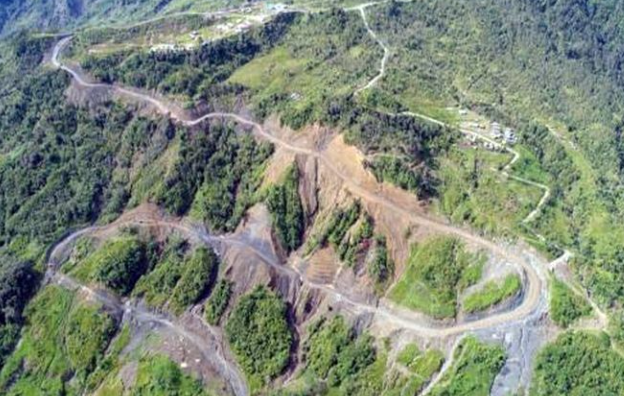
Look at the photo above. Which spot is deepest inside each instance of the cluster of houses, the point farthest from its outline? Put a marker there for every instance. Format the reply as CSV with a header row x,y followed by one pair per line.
x,y
251,18
507,135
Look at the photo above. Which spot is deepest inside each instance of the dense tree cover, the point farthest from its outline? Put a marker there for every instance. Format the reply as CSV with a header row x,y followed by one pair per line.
x,y
166,274
50,15
437,270
329,58
18,282
156,287
216,174
63,343
260,336
566,306
58,160
118,264
200,272
189,72
558,62
284,203
381,267
159,376
412,146
55,168
354,245
336,354
578,363
474,370
337,226
218,302
396,171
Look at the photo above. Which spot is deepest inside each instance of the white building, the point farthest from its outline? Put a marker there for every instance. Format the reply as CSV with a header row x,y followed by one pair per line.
x,y
495,130
510,136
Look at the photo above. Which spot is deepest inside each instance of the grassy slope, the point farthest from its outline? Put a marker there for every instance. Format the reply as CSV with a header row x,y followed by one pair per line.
x,y
492,293
566,306
473,372
436,271
66,338
523,62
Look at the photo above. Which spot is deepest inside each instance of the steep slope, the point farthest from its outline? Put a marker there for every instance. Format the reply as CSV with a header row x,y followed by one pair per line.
x,y
63,14
277,198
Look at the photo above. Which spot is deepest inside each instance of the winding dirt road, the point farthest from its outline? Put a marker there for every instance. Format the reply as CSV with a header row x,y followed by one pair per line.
x,y
532,306
216,356
536,280
386,50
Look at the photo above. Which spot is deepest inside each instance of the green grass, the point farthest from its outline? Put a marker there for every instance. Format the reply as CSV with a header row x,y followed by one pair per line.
x,y
159,376
492,293
566,306
423,365
271,71
436,271
64,339
474,369
483,199
528,167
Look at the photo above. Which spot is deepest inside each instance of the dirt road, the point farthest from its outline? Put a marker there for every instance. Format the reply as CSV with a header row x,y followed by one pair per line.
x,y
536,282
228,371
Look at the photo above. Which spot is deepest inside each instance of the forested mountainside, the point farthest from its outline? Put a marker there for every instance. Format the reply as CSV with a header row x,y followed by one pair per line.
x,y
45,15
538,65
311,197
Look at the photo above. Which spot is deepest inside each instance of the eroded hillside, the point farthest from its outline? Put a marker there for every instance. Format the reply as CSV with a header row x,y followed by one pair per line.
x,y
243,203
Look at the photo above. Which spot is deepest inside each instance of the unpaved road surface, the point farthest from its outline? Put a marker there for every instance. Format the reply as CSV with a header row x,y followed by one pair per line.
x,y
210,349
536,281
532,307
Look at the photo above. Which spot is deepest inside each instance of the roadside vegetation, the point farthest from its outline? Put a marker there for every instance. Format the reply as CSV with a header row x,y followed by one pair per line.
x,y
286,209
472,191
566,306
437,270
350,231
578,363
215,175
64,343
200,272
381,266
423,365
339,361
563,109
170,275
474,369
492,293
117,265
195,74
218,302
260,336
159,376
